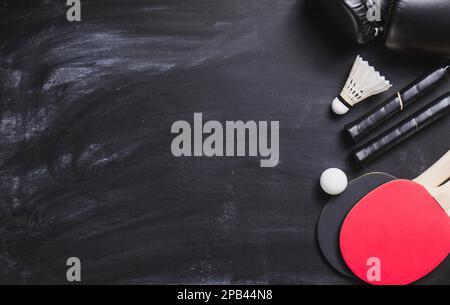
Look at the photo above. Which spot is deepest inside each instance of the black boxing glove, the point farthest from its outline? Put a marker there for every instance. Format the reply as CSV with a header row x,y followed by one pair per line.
x,y
362,20
419,25
405,25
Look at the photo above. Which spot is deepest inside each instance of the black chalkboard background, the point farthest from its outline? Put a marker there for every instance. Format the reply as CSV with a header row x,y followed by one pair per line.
x,y
85,163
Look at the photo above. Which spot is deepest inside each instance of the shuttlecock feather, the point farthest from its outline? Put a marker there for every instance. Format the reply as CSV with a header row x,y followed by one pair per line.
x,y
363,82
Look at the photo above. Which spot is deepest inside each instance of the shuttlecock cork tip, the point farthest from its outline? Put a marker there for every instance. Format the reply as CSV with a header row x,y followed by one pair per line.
x,y
338,107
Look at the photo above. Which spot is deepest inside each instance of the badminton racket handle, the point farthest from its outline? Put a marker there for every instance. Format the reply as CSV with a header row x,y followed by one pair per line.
x,y
402,131
368,122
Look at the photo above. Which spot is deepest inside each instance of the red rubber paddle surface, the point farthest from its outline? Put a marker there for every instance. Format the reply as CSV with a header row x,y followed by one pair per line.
x,y
402,226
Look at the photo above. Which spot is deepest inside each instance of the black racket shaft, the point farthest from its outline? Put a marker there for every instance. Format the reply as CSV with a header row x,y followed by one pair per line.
x,y
368,122
402,131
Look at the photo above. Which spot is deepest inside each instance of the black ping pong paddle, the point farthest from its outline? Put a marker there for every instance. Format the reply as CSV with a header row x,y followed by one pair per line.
x,y
334,213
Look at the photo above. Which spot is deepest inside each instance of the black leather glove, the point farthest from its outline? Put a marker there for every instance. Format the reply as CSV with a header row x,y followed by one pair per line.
x,y
404,24
419,24
362,20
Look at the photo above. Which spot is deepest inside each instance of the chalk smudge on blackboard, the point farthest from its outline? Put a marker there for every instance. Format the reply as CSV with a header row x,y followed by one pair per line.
x,y
77,170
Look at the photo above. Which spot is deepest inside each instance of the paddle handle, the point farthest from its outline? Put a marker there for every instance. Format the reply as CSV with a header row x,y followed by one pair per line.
x,y
436,174
402,131
442,196
368,122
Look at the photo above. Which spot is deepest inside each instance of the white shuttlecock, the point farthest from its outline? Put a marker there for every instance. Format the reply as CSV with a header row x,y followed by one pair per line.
x,y
363,82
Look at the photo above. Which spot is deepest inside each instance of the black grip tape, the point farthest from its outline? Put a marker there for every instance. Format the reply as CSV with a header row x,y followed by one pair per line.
x,y
402,131
371,120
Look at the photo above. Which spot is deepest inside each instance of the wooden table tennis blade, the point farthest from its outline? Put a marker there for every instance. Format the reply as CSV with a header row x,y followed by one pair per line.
x,y
400,226
334,213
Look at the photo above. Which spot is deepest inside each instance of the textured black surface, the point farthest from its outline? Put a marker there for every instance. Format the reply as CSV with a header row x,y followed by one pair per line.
x,y
85,162
334,213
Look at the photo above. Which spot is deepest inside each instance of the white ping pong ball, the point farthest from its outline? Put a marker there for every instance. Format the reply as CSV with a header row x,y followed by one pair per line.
x,y
333,181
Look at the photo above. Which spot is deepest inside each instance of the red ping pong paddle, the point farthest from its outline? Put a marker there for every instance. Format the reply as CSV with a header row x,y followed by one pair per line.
x,y
400,231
